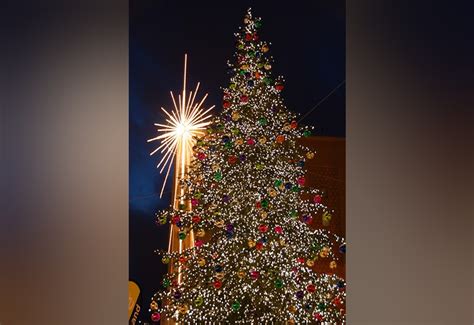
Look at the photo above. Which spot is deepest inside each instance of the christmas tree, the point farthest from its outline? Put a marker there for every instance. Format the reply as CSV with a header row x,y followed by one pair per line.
x,y
251,212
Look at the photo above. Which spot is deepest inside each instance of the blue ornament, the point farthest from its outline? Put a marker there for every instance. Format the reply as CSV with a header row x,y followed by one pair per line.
x,y
179,224
299,294
225,139
342,248
218,268
229,234
250,83
301,163
248,75
177,295
341,284
288,186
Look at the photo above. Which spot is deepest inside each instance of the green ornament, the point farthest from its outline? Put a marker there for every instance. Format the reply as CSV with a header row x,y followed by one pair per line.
x,y
267,81
278,283
181,206
258,24
251,54
165,260
264,203
209,130
220,127
198,301
218,176
240,46
295,188
306,133
259,166
322,306
242,72
198,195
181,235
262,121
235,131
260,65
316,247
228,145
232,86
166,283
278,183
200,143
293,213
236,306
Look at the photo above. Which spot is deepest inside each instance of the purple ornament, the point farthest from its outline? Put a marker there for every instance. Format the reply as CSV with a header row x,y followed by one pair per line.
x,y
177,295
299,294
230,227
226,199
242,157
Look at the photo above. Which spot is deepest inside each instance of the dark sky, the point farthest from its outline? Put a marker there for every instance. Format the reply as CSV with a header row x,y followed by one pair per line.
x,y
308,45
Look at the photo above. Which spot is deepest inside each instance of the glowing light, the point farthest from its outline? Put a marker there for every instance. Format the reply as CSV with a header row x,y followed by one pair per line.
x,y
177,137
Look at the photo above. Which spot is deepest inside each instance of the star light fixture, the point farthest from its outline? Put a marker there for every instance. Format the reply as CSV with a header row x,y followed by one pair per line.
x,y
177,137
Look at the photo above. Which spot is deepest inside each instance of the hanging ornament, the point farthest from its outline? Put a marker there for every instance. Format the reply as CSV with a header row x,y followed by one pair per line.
x,y
294,124
299,294
258,75
278,283
194,202
183,309
201,156
280,139
235,305
272,192
306,133
311,288
165,260
154,305
342,248
155,317
278,183
242,157
267,66
279,87
265,203
301,181
254,274
324,252
196,219
198,301
244,99
248,37
310,263
251,243
177,295
326,218
250,142
181,235
317,199
262,121
286,127
318,317
263,228
259,166
220,275
218,176
200,233
201,261
259,246
217,284
332,265
232,159
292,309
265,48
182,259
239,142
166,283
226,104
263,214
262,140
198,243
235,116
241,274
219,223
278,229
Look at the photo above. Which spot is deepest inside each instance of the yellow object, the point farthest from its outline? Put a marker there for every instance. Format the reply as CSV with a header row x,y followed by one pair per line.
x,y
133,293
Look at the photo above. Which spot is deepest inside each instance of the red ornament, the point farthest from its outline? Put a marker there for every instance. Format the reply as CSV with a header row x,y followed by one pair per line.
x,y
194,202
255,37
263,228
155,317
278,229
201,156
337,302
294,124
217,284
259,246
226,104
182,259
317,198
311,288
175,219
301,181
198,243
258,205
279,87
300,260
248,37
244,98
258,75
254,274
280,139
250,141
318,317
196,219
232,159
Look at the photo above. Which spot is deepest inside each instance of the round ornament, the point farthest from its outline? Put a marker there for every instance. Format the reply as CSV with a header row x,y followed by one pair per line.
x,y
181,235
332,265
280,139
154,305
310,263
235,305
317,199
265,48
254,274
263,214
218,176
262,121
311,288
235,116
251,243
278,229
196,219
198,301
201,261
262,140
278,183
294,124
200,233
272,192
267,66
306,133
155,317
241,274
183,309
165,260
310,155
299,294
278,283
217,284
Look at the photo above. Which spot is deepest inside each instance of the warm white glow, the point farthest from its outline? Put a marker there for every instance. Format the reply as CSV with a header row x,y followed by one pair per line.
x,y
176,136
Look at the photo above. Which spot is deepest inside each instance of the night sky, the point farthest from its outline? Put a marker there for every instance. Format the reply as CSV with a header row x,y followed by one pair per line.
x,y
308,45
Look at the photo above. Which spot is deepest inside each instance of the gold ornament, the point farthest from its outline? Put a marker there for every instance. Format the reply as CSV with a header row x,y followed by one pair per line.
x,y
286,127
332,265
272,192
291,321
251,243
235,116
220,275
200,233
310,155
324,252
282,242
326,218
201,262
262,140
245,67
154,305
215,167
241,274
219,223
267,66
183,309
292,309
239,142
263,214
310,263
265,48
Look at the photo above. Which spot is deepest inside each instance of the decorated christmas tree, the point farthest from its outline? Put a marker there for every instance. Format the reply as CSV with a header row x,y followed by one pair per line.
x,y
255,251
